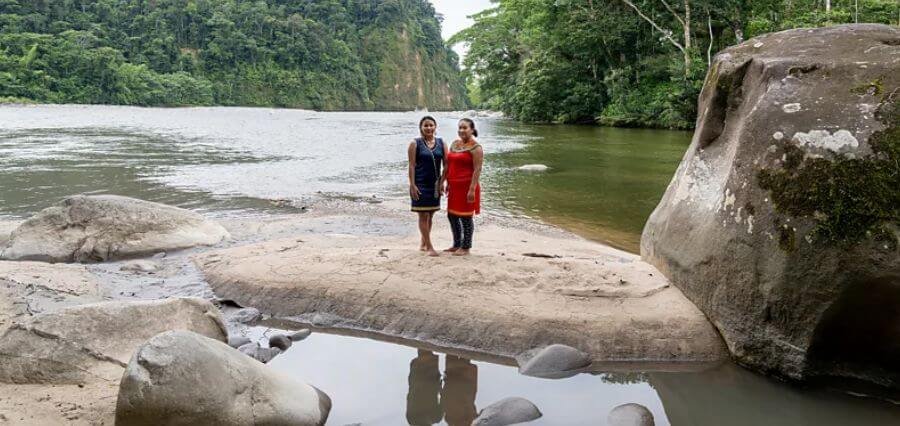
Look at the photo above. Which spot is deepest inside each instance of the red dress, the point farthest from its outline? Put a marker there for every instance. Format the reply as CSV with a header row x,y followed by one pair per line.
x,y
460,168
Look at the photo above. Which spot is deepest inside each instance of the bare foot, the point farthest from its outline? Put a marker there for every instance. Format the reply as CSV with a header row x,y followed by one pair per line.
x,y
451,249
461,252
433,253
423,248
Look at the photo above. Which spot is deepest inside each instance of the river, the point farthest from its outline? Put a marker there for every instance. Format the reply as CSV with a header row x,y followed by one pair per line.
x,y
601,184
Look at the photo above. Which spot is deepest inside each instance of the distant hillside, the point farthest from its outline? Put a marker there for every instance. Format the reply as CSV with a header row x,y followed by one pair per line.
x,y
320,54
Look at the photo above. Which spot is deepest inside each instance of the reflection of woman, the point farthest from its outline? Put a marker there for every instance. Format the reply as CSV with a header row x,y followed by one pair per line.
x,y
422,406
426,158
458,394
464,160
457,397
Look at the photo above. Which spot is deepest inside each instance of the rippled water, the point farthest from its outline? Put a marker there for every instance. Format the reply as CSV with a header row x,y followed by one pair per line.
x,y
603,183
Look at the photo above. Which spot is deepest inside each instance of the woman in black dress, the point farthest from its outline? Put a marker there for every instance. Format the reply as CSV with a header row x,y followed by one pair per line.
x,y
427,156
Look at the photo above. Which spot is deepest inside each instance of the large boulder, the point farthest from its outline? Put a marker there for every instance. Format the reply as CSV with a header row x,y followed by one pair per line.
x,y
782,221
89,342
184,378
103,227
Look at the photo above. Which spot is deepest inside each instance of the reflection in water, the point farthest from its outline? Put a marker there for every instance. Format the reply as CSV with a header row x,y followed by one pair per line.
x,y
423,408
427,401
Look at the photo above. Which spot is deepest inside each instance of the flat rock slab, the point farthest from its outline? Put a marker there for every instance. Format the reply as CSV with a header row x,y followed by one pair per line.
x,y
496,301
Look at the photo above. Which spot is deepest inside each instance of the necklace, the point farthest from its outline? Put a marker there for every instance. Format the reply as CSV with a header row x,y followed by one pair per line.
x,y
431,145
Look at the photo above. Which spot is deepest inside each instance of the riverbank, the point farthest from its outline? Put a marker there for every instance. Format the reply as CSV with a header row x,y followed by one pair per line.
x,y
527,285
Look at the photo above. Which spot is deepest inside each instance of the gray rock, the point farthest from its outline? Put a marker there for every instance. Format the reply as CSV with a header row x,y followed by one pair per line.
x,y
94,342
263,355
245,316
630,415
238,341
301,334
141,266
280,341
104,227
179,377
508,411
553,362
778,222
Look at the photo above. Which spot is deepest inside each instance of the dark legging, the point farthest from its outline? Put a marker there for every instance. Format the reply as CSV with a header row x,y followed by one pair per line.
x,y
462,227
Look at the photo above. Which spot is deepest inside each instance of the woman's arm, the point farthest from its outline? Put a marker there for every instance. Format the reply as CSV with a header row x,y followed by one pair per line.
x,y
477,160
444,170
411,153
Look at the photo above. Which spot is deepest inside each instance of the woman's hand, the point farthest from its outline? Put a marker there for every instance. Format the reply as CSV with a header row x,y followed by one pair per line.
x,y
445,187
470,197
414,192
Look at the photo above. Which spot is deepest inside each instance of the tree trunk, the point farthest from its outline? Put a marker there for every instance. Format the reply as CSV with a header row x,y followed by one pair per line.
x,y
687,37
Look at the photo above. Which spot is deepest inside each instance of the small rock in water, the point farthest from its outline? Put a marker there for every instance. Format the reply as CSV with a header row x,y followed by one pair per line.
x,y
280,341
553,362
263,355
507,411
145,266
534,168
246,315
301,334
630,415
238,341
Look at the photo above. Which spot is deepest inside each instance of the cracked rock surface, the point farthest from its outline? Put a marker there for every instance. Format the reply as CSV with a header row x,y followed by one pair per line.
x,y
94,342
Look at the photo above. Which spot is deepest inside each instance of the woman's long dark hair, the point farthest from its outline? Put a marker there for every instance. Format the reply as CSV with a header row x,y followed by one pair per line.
x,y
471,126
423,120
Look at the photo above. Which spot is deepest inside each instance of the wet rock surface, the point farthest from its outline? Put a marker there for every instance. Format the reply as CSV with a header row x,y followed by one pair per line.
x,y
630,415
508,411
93,342
553,362
781,222
104,227
185,378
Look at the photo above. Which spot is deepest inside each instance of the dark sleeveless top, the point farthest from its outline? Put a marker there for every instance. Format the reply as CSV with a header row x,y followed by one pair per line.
x,y
428,172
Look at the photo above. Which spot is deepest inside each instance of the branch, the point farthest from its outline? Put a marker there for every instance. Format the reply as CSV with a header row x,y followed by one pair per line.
x,y
669,8
666,34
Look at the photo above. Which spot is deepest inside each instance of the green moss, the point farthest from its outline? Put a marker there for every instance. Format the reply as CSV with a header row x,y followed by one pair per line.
x,y
849,199
874,87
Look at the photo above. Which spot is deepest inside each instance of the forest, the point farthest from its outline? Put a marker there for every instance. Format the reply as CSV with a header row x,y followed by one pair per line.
x,y
320,54
637,63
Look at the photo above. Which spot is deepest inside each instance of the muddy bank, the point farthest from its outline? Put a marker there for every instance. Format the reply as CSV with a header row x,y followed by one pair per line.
x,y
519,290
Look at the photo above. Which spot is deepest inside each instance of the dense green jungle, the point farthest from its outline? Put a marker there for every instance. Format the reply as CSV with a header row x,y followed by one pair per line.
x,y
322,54
628,63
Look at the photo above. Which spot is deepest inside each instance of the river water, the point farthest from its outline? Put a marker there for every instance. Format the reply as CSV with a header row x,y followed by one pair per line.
x,y
602,184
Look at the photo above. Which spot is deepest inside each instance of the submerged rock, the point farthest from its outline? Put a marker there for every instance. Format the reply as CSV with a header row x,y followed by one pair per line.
x,y
179,377
87,228
533,168
508,411
280,341
781,222
301,334
553,362
630,415
89,342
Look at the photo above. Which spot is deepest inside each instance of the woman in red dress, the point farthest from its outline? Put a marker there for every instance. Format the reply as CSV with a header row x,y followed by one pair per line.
x,y
464,160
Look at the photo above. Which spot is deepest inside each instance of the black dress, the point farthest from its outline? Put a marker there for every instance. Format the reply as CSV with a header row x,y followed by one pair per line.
x,y
428,175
